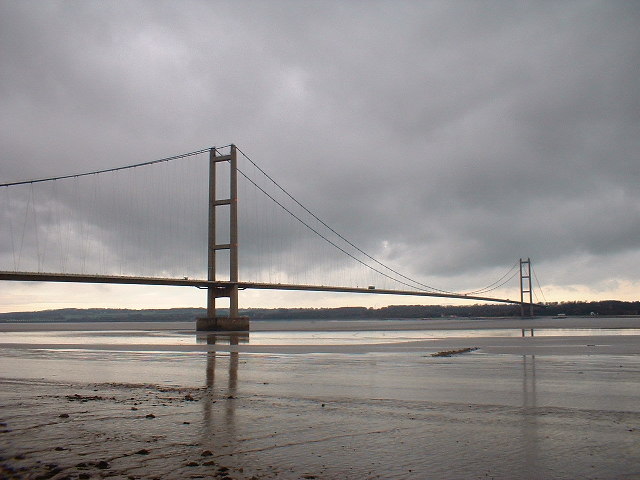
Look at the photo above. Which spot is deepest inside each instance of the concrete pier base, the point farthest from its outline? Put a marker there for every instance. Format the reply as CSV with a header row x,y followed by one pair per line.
x,y
222,324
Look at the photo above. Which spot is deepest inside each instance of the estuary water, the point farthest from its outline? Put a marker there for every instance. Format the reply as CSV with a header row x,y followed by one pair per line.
x,y
542,398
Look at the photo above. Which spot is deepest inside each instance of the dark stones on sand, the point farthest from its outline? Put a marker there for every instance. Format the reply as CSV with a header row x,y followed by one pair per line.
x,y
193,464
102,465
449,353
150,415
53,470
84,398
143,451
189,398
222,473
63,415
206,453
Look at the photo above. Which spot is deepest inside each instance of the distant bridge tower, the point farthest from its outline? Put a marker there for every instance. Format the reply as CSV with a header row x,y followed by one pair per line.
x,y
525,288
233,322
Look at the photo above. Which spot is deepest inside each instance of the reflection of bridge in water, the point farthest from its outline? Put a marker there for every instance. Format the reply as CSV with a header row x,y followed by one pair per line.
x,y
232,382
51,214
229,425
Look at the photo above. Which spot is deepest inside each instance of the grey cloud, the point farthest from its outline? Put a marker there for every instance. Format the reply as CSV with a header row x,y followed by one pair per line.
x,y
447,138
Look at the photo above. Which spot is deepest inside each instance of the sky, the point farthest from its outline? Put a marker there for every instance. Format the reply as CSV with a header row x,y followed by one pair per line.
x,y
448,139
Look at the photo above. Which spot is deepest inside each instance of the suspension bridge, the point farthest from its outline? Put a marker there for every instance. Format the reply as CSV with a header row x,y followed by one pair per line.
x,y
175,221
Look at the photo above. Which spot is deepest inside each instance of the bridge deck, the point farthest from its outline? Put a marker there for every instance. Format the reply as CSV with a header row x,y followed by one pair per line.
x,y
189,282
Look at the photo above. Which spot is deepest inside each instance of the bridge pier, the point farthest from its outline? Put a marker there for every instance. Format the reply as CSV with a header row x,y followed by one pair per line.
x,y
222,324
234,322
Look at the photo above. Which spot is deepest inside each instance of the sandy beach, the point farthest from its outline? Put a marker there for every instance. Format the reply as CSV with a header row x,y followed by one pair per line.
x,y
324,400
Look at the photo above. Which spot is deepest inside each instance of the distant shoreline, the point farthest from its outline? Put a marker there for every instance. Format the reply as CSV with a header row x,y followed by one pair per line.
x,y
603,309
395,319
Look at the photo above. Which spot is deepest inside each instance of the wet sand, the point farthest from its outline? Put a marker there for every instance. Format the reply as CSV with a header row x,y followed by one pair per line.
x,y
322,401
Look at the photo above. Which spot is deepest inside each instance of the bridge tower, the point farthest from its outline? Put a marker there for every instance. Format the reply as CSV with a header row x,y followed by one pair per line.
x,y
525,288
233,322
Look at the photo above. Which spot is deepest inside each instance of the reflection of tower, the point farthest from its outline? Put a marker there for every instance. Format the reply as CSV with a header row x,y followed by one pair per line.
x,y
211,363
230,409
233,365
211,377
232,385
529,423
529,381
524,331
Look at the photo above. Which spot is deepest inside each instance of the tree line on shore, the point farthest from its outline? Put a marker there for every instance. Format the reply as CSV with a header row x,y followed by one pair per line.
x,y
604,308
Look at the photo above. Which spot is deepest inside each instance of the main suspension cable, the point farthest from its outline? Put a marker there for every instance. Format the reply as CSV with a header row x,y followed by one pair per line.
x,y
539,287
143,164
342,237
488,288
321,235
501,284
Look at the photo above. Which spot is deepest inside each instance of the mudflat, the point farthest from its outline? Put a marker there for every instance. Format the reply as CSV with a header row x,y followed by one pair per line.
x,y
323,400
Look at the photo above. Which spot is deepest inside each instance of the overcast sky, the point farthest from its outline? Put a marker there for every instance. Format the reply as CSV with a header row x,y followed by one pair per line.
x,y
447,138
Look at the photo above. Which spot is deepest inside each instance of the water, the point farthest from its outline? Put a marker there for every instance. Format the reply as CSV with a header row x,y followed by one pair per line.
x,y
336,399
